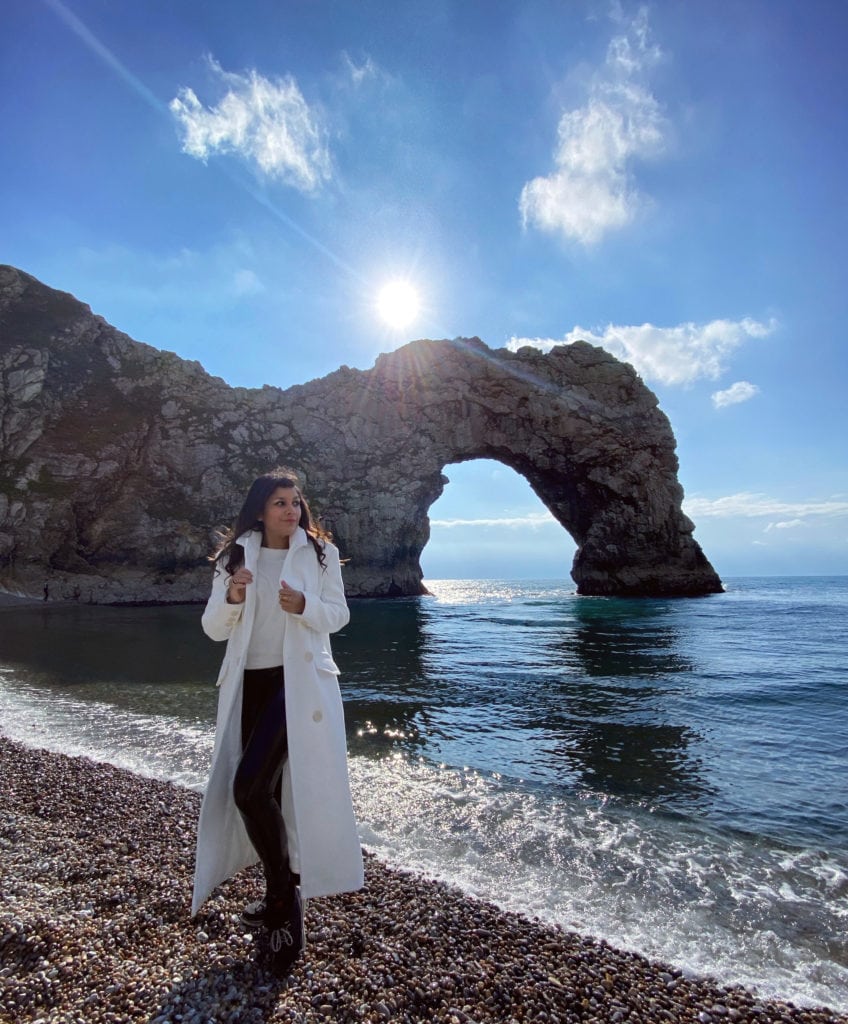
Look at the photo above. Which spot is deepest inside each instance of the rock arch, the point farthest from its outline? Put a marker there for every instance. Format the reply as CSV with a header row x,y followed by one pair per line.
x,y
578,424
118,460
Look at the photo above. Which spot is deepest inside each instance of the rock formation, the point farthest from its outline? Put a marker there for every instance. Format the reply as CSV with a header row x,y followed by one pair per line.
x,y
118,461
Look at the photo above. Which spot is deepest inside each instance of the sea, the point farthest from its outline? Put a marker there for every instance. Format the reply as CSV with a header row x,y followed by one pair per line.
x,y
668,775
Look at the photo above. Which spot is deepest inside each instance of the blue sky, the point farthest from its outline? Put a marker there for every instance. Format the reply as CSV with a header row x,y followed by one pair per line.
x,y
237,182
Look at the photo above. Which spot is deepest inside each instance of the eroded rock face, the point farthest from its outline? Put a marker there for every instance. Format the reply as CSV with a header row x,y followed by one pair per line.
x,y
118,461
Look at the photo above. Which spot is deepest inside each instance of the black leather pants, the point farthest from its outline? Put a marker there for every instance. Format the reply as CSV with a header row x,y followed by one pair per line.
x,y
257,783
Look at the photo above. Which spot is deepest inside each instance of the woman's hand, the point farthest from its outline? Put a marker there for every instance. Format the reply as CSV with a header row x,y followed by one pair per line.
x,y
237,586
292,601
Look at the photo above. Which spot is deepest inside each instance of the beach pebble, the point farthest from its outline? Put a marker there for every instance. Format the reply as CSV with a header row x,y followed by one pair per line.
x,y
94,929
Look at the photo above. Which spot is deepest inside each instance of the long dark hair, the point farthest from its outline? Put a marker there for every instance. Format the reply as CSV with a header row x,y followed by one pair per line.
x,y
230,554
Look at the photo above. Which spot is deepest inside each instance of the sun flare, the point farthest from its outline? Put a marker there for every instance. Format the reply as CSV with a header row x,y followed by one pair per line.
x,y
398,304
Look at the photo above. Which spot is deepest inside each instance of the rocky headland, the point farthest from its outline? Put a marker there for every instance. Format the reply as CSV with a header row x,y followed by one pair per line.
x,y
118,461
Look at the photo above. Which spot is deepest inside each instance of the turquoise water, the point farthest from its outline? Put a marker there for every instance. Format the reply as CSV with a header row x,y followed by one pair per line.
x,y
669,775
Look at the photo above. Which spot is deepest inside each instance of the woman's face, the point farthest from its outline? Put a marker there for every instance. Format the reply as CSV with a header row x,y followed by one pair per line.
x,y
280,517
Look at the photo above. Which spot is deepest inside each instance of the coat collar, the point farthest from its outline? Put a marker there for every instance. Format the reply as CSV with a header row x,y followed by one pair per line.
x,y
251,541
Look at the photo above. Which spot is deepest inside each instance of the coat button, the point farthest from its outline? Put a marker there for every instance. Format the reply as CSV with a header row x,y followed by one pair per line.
x,y
316,716
308,656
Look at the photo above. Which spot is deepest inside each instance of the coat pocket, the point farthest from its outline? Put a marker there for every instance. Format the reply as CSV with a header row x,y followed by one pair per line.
x,y
324,663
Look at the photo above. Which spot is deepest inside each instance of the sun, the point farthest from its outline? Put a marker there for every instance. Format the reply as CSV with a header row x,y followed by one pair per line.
x,y
398,304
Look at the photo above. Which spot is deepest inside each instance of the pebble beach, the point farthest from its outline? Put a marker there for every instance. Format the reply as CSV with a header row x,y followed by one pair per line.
x,y
96,879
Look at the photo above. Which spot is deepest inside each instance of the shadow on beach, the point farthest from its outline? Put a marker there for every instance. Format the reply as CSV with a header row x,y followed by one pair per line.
x,y
246,990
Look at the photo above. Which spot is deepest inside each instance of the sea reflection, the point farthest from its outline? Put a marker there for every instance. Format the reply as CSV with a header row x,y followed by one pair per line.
x,y
383,680
619,721
587,694
624,637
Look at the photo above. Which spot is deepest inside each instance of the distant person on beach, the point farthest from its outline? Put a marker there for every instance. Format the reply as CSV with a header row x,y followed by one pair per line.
x,y
278,788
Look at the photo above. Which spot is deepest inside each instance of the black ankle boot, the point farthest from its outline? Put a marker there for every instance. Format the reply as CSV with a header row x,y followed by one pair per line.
x,y
283,921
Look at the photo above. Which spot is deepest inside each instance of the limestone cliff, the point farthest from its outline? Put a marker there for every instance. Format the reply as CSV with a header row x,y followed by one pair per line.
x,y
118,461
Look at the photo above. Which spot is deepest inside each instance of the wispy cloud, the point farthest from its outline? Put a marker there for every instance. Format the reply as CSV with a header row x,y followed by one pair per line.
x,y
247,282
360,73
533,520
741,391
265,121
670,355
746,505
591,190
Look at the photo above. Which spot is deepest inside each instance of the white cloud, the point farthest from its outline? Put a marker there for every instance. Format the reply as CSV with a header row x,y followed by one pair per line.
x,y
266,121
789,524
670,355
748,505
591,190
741,391
533,520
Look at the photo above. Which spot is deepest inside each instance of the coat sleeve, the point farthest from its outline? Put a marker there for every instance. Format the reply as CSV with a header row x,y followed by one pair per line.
x,y
326,609
219,618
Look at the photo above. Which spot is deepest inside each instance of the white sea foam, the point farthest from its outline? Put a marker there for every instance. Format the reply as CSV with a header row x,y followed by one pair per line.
x,y
708,901
155,746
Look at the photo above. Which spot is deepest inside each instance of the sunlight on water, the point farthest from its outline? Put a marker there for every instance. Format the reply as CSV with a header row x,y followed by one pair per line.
x,y
449,592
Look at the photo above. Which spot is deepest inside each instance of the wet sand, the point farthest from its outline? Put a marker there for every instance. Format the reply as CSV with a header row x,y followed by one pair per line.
x,y
96,880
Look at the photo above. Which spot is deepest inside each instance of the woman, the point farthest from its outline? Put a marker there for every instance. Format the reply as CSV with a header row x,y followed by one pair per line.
x,y
278,789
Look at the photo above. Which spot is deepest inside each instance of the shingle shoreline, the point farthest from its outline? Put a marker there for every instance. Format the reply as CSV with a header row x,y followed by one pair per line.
x,y
96,880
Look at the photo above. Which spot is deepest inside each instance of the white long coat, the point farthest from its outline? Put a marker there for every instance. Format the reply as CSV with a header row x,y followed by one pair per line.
x,y
323,840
